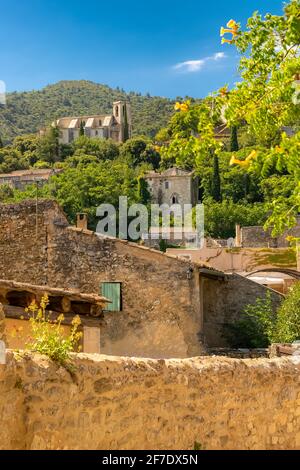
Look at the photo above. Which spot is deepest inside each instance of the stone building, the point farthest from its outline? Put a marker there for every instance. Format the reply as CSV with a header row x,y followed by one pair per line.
x,y
21,178
257,237
116,126
161,306
173,186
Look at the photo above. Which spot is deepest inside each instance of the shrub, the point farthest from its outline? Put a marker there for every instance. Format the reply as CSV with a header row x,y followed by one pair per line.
x,y
48,337
288,319
255,328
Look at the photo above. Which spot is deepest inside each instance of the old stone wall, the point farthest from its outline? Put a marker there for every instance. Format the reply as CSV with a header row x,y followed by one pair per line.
x,y
2,324
121,403
257,237
226,307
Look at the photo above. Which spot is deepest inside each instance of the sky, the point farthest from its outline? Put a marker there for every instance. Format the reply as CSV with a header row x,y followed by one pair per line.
x,y
163,47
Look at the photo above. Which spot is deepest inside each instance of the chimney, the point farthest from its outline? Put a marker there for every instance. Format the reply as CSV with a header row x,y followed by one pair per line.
x,y
82,221
238,235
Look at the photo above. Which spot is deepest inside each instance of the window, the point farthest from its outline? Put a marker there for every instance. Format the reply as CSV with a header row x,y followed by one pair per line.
x,y
112,291
100,123
167,185
117,111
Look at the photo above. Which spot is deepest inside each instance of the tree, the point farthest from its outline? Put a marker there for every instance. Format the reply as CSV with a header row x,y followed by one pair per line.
x,y
234,144
266,99
1,143
287,327
48,148
143,191
216,181
140,150
255,327
103,149
221,217
81,130
126,127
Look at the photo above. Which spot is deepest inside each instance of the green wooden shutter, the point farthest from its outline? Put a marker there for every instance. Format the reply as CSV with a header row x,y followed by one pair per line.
x,y
112,291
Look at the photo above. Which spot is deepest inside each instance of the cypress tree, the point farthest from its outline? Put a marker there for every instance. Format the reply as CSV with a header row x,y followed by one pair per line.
x,y
1,143
126,127
81,130
234,143
216,180
143,192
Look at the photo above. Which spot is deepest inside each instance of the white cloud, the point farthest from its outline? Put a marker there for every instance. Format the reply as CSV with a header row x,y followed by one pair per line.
x,y
219,55
190,65
198,64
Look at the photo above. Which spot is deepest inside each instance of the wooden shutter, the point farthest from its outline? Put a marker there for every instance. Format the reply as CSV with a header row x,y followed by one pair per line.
x,y
112,291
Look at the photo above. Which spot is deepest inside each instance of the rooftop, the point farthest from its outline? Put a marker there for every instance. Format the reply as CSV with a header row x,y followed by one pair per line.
x,y
43,173
170,172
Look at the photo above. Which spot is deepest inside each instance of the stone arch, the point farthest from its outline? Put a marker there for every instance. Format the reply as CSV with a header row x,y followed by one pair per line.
x,y
175,199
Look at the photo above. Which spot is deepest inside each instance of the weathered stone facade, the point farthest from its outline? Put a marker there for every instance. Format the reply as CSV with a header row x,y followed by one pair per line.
x,y
169,305
114,403
258,237
173,186
2,324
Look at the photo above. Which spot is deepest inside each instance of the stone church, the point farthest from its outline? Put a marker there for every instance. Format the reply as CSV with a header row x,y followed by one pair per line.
x,y
116,126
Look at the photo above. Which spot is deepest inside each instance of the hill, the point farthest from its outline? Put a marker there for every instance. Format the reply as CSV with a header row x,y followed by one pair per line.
x,y
26,112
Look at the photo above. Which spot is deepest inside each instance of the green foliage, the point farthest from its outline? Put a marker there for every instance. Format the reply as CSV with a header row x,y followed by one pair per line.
x,y
266,99
140,150
103,149
6,192
81,130
234,144
192,142
48,148
288,319
221,218
126,126
144,195
260,325
163,245
216,181
255,328
84,187
198,446
27,112
47,336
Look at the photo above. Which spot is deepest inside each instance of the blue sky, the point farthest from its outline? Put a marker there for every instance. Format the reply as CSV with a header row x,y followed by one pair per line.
x,y
136,45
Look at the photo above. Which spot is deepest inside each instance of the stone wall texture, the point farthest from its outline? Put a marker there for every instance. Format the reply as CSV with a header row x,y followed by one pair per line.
x,y
121,403
257,237
2,324
165,306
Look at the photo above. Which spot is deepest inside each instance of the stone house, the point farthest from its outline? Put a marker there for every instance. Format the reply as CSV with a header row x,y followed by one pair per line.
x,y
19,179
161,306
116,126
173,186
